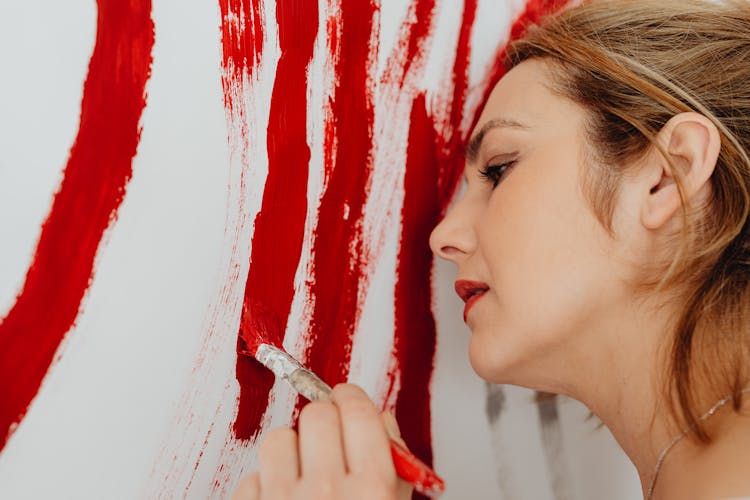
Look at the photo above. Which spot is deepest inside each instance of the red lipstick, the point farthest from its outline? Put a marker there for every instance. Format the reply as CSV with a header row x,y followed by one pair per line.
x,y
470,292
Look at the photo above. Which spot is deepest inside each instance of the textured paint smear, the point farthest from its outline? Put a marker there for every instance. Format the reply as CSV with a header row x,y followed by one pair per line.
x,y
242,41
415,333
336,278
280,224
432,168
339,252
92,189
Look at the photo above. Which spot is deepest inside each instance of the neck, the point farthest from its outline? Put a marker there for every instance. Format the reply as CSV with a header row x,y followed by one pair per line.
x,y
627,392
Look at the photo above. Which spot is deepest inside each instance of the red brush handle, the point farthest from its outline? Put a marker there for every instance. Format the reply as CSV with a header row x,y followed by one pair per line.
x,y
413,470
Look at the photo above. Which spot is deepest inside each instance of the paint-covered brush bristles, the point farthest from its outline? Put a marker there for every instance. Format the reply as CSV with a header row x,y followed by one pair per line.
x,y
259,326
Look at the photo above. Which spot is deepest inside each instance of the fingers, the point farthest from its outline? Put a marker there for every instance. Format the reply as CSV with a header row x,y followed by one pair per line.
x,y
279,462
249,488
342,452
320,442
366,444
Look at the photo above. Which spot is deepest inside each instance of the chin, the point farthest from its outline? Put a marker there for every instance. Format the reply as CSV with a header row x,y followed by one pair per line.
x,y
493,364
503,361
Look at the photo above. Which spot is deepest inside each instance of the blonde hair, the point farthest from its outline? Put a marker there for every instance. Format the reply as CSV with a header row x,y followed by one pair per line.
x,y
634,64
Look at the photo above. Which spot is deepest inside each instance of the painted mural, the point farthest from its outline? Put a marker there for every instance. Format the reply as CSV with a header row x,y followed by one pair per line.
x,y
289,154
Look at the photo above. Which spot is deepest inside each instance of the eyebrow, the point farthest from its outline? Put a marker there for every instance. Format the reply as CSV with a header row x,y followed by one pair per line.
x,y
475,143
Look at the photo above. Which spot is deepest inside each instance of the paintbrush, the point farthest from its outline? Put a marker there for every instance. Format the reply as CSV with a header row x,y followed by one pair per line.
x,y
254,342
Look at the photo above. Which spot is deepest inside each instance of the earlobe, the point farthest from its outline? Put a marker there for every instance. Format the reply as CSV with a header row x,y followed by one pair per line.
x,y
692,144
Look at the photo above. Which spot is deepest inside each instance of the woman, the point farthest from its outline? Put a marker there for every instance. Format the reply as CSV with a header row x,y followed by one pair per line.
x,y
603,250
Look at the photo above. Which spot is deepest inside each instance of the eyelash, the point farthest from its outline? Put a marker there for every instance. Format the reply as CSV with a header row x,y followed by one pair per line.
x,y
495,173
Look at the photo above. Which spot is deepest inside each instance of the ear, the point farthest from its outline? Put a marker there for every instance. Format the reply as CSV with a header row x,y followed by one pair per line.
x,y
692,144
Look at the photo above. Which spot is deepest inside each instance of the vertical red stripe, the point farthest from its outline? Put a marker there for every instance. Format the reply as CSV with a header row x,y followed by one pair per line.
x,y
280,224
339,253
419,30
95,178
432,164
451,147
242,41
415,333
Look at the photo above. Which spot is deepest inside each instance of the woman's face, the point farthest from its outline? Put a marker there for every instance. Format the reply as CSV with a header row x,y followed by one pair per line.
x,y
540,267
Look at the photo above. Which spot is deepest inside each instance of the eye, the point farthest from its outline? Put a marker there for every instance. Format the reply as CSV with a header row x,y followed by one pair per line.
x,y
495,173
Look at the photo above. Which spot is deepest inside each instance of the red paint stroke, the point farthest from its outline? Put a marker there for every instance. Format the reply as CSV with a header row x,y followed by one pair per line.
x,y
415,333
413,39
434,163
280,224
92,189
338,275
242,42
430,164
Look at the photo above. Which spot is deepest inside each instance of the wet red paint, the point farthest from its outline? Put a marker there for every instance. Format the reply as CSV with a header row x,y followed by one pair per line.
x,y
415,333
413,40
339,253
432,164
337,273
92,189
242,42
280,224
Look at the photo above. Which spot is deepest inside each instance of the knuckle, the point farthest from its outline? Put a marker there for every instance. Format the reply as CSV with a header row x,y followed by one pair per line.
x,y
318,411
358,408
348,391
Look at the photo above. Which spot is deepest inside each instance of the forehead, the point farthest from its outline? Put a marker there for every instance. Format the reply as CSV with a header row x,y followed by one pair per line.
x,y
524,95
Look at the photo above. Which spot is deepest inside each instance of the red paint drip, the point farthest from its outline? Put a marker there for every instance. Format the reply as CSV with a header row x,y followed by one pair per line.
x,y
280,224
339,254
95,178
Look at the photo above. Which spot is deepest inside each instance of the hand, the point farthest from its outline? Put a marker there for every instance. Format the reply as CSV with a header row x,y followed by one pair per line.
x,y
342,452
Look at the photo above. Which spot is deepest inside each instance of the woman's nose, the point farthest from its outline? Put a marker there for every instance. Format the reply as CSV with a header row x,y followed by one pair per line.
x,y
454,237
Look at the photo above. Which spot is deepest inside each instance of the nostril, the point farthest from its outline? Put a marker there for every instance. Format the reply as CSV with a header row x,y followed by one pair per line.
x,y
449,252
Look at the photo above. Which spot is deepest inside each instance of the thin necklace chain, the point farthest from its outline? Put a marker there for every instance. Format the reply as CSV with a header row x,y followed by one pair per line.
x,y
684,433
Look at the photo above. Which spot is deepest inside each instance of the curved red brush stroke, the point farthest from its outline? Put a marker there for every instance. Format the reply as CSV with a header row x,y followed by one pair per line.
x,y
339,252
280,224
96,175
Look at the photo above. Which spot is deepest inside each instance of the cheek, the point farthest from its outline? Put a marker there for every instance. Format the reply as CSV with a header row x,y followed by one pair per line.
x,y
538,238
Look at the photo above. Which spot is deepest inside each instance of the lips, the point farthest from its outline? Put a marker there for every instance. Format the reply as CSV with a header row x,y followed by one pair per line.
x,y
470,292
